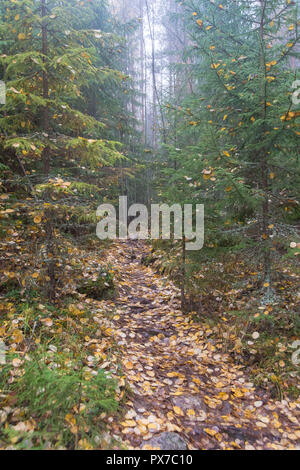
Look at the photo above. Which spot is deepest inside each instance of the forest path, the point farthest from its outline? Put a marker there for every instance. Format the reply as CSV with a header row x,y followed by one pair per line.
x,y
181,383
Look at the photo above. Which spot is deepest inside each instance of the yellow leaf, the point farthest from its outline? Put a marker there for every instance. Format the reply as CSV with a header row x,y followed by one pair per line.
x,y
172,374
129,423
178,411
151,373
48,322
224,396
219,385
84,444
210,432
18,336
129,365
70,419
152,426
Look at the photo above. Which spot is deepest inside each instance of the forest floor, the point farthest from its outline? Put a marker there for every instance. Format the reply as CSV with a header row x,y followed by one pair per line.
x,y
179,381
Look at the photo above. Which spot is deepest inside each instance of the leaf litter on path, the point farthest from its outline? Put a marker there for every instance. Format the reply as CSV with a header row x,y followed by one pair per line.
x,y
179,381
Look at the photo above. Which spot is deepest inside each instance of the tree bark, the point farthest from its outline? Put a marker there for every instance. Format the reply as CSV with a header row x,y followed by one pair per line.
x,y
183,273
45,83
156,98
265,231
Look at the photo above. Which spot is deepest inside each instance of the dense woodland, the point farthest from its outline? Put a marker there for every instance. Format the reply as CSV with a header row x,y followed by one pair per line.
x,y
141,344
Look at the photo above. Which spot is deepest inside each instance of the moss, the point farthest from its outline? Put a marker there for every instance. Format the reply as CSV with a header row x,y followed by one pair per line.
x,y
102,288
148,260
9,285
293,392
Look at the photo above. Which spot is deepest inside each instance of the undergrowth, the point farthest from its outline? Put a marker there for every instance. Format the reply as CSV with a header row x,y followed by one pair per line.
x,y
223,287
62,403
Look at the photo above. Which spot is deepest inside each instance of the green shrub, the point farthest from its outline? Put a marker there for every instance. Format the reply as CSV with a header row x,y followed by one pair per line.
x,y
65,400
102,288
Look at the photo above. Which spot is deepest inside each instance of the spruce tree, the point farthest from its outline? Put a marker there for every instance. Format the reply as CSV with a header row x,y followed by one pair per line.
x,y
54,128
237,132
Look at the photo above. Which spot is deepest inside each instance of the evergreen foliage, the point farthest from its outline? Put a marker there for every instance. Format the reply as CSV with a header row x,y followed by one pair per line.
x,y
236,132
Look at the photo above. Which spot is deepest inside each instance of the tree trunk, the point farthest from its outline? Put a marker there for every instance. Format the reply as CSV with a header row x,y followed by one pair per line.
x,y
50,254
45,116
265,231
49,216
183,273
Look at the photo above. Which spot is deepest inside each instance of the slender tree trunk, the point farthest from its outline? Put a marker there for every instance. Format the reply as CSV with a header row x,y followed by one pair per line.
x,y
142,58
51,259
183,275
49,215
45,116
156,98
265,231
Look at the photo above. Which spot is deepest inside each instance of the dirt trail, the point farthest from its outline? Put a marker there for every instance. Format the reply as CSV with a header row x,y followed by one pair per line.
x,y
180,381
